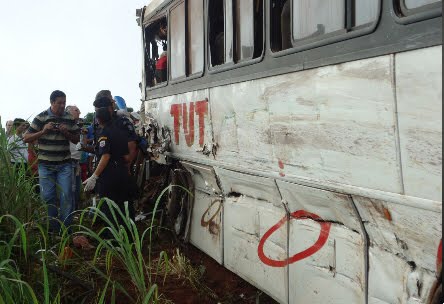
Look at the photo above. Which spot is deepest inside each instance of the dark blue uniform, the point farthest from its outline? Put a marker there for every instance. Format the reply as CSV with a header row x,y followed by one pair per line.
x,y
114,180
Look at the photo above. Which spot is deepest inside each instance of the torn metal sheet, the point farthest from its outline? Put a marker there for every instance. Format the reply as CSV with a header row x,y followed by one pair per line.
x,y
404,244
393,280
253,186
204,178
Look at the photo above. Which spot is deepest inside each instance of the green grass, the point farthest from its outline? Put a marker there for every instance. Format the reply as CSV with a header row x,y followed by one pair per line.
x,y
31,267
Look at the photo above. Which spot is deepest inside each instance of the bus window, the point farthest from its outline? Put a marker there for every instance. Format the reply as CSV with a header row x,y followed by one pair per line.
x,y
413,4
195,37
156,58
365,12
310,19
177,42
245,29
237,34
280,35
216,31
317,17
248,16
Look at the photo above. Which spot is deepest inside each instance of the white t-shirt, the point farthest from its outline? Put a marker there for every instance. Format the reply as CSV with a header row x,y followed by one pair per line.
x,y
74,153
18,149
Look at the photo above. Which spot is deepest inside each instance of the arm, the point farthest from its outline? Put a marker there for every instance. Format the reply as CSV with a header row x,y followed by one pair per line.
x,y
31,137
72,137
132,147
104,160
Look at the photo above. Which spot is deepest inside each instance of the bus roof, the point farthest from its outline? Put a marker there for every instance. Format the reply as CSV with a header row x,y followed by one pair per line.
x,y
152,8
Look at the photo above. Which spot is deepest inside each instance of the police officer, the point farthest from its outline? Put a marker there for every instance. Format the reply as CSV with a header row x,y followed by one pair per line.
x,y
111,172
104,99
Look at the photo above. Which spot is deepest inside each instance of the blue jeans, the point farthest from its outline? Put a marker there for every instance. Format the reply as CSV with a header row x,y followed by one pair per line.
x,y
56,179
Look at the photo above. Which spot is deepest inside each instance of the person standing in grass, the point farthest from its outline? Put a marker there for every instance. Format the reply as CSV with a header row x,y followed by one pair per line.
x,y
54,129
111,174
75,158
17,147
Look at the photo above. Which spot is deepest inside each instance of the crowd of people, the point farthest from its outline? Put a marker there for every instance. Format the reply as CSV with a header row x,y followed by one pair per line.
x,y
62,152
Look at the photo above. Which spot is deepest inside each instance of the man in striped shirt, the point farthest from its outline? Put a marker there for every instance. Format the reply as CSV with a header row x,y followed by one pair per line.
x,y
54,129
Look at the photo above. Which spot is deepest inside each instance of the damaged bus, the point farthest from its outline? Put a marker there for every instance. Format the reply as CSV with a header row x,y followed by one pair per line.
x,y
309,133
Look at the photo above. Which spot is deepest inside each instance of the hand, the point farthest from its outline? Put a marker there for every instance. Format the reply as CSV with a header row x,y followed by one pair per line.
x,y
48,127
64,129
79,147
90,183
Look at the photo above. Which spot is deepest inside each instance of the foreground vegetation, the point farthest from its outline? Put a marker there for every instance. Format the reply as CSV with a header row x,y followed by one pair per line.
x,y
37,267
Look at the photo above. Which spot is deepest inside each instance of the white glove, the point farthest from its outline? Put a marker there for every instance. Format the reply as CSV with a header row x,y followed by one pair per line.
x,y
79,147
90,183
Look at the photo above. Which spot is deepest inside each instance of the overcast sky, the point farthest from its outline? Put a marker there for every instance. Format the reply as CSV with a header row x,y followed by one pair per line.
x,y
77,46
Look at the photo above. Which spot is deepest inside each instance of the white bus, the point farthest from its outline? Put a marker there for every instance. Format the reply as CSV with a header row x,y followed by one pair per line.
x,y
310,133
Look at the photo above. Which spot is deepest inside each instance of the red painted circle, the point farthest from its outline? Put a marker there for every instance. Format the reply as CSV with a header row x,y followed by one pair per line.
x,y
323,236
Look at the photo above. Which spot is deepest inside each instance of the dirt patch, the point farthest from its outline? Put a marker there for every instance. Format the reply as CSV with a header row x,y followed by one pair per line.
x,y
216,283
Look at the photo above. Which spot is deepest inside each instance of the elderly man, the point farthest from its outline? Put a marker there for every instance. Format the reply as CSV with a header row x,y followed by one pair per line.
x,y
18,149
54,129
75,159
9,125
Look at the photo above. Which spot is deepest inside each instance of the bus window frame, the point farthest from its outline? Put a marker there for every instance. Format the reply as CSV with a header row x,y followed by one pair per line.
x,y
182,78
154,20
329,38
403,15
242,63
195,75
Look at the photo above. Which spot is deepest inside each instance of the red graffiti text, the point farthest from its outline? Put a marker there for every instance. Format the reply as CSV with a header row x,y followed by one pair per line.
x,y
301,214
185,113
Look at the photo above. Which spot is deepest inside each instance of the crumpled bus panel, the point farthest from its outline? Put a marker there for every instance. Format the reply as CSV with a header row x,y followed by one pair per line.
x,y
252,206
404,243
327,246
207,224
246,222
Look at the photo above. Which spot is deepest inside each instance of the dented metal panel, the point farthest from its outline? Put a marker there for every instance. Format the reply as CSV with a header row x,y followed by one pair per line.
x,y
207,225
419,94
247,220
254,186
252,206
327,247
404,244
365,128
333,123
204,178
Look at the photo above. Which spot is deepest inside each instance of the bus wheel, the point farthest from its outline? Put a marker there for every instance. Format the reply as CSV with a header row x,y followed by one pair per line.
x,y
177,206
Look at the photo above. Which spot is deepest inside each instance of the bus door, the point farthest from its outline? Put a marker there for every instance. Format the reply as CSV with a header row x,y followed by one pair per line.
x,y
327,247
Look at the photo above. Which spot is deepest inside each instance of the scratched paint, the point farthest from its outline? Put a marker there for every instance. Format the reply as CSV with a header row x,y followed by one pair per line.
x,y
325,140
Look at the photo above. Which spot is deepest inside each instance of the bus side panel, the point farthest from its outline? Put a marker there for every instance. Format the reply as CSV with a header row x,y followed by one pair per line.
x,y
334,123
336,273
247,218
207,225
403,250
419,94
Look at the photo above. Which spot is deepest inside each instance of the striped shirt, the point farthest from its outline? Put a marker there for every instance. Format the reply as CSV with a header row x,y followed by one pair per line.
x,y
53,146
